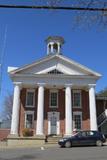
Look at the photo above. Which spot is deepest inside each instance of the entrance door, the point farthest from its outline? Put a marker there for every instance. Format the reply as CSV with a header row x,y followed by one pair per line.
x,y
53,123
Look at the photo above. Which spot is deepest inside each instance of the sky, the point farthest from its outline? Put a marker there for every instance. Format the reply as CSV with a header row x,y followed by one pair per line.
x,y
23,34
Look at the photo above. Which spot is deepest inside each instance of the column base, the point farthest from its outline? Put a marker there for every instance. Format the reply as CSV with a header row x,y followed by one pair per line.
x,y
13,136
68,135
39,136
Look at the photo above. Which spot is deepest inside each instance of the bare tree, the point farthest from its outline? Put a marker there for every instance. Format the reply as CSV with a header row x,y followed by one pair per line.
x,y
103,92
86,12
8,103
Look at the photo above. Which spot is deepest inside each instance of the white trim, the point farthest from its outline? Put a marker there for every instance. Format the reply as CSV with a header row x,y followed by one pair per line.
x,y
77,91
53,91
57,115
80,66
10,69
77,113
47,70
32,113
33,91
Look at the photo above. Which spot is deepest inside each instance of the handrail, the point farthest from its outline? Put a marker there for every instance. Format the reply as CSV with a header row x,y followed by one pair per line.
x,y
101,118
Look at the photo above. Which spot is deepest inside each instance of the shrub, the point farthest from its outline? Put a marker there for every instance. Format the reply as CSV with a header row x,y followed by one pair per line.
x,y
27,132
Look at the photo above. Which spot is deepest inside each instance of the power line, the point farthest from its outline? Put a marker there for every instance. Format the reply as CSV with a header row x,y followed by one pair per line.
x,y
54,7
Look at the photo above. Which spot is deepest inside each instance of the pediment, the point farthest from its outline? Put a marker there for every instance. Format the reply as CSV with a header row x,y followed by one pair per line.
x,y
55,64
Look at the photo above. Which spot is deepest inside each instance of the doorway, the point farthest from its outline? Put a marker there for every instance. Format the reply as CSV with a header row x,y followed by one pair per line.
x,y
53,123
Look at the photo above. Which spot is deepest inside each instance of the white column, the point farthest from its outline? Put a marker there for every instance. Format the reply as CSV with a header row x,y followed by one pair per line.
x,y
59,49
48,49
52,48
92,106
40,110
68,110
15,111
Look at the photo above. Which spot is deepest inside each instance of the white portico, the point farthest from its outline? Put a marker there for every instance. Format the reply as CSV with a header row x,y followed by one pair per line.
x,y
55,87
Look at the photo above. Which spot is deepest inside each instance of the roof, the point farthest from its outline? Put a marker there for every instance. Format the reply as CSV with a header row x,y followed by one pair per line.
x,y
56,59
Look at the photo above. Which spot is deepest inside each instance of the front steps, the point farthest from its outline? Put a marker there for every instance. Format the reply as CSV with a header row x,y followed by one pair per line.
x,y
53,139
33,141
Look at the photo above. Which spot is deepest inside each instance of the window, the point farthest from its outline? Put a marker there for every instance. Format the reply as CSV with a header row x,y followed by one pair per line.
x,y
77,120
76,98
53,99
90,133
29,118
30,98
55,71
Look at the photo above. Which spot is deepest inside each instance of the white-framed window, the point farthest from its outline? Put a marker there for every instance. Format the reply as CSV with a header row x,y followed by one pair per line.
x,y
77,120
30,98
53,98
77,99
29,119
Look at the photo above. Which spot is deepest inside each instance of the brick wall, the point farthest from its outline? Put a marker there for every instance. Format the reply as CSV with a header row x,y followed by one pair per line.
x,y
4,133
85,110
61,109
23,108
100,106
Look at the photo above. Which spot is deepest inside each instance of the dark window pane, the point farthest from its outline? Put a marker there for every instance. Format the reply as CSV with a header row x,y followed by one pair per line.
x,y
76,99
29,120
30,98
53,99
77,121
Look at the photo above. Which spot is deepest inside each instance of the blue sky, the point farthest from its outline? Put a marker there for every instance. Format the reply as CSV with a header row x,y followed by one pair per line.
x,y
27,30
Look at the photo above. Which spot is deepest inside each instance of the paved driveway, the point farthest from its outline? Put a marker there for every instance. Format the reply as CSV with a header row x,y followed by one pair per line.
x,y
55,153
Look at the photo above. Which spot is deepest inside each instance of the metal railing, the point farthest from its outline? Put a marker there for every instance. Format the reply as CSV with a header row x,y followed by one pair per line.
x,y
102,118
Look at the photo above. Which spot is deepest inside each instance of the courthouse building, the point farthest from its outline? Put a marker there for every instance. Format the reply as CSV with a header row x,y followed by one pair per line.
x,y
53,95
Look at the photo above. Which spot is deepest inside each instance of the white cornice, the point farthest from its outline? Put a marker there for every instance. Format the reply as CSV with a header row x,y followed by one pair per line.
x,y
55,76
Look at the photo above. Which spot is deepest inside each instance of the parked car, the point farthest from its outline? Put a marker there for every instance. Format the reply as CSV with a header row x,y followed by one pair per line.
x,y
83,138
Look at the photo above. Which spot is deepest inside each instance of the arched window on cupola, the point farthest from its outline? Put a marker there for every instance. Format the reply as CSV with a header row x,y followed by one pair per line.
x,y
49,48
55,47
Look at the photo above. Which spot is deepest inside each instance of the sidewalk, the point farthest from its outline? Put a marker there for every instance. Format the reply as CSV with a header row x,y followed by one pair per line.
x,y
4,145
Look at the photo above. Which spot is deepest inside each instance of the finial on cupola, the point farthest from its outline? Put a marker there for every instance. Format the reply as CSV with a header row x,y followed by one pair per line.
x,y
54,44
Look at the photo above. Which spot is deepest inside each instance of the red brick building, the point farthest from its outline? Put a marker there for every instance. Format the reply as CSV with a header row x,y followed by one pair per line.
x,y
53,95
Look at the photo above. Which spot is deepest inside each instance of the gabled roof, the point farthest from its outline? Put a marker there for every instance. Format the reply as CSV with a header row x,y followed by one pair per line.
x,y
55,62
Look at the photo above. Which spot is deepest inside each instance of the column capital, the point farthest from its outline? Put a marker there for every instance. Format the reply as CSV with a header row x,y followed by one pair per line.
x,y
41,84
69,85
18,84
91,86
51,43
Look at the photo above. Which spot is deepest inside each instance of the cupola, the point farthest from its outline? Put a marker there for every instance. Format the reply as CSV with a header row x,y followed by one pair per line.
x,y
54,44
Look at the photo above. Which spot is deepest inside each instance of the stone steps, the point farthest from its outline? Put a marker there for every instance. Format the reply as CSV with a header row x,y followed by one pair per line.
x,y
53,139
